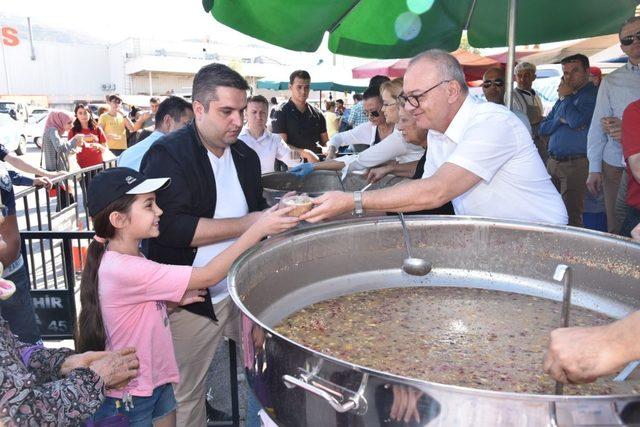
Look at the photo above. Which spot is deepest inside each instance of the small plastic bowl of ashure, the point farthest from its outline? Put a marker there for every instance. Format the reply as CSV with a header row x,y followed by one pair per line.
x,y
301,204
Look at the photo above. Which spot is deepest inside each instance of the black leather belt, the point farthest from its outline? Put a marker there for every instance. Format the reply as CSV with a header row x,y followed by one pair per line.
x,y
567,158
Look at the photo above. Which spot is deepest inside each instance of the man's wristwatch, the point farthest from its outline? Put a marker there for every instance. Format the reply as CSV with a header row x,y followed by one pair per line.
x,y
357,201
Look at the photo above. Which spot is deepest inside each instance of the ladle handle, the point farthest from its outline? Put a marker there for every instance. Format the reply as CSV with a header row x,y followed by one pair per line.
x,y
317,389
564,274
405,234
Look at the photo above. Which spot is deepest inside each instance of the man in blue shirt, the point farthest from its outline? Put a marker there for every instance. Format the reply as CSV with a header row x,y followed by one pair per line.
x,y
567,125
172,113
617,90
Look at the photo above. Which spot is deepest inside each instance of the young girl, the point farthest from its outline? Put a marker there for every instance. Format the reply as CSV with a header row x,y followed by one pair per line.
x,y
123,294
94,140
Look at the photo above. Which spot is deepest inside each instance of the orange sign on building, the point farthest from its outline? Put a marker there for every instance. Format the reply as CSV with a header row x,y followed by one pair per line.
x,y
10,36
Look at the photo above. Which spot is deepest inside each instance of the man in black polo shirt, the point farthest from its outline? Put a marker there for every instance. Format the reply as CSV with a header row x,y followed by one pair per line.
x,y
298,123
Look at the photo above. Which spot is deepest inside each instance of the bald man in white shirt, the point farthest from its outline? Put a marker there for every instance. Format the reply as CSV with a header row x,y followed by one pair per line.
x,y
481,157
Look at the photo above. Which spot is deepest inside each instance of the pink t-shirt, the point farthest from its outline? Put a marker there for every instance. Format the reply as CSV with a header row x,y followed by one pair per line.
x,y
133,291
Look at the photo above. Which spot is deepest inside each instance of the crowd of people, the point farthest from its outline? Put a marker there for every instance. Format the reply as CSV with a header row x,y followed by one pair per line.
x,y
186,200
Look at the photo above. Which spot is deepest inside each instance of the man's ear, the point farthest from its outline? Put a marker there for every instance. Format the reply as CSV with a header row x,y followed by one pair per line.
x,y
453,90
167,121
198,109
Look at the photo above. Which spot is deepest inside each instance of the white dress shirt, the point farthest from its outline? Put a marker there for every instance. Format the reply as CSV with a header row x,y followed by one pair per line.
x,y
230,203
364,133
491,142
269,147
617,90
393,147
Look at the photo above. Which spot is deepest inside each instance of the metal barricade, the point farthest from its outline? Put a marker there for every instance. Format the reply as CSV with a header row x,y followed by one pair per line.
x,y
63,208
48,256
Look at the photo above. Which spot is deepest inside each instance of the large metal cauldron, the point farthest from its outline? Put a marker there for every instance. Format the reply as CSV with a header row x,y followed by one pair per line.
x,y
304,387
276,184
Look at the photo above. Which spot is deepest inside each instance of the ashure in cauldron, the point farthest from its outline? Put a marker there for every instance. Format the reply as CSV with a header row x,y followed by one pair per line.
x,y
299,386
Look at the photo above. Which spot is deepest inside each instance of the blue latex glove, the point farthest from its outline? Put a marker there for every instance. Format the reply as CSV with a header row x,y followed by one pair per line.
x,y
301,170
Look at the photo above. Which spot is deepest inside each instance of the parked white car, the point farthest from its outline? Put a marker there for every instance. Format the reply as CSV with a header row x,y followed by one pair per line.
x,y
34,129
548,70
12,135
37,113
17,109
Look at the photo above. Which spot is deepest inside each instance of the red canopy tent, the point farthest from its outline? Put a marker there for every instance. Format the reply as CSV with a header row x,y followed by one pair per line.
x,y
502,57
474,66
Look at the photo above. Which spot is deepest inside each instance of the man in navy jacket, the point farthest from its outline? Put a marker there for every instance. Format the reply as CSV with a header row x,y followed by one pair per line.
x,y
214,196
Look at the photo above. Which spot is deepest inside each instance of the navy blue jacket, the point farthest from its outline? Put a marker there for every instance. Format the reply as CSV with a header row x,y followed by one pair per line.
x,y
181,156
570,138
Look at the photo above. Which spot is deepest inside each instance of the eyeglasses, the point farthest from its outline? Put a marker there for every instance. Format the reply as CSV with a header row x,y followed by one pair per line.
x,y
374,114
384,104
487,83
117,101
414,100
626,41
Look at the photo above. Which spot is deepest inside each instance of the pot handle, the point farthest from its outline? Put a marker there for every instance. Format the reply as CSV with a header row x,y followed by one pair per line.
x,y
336,399
565,412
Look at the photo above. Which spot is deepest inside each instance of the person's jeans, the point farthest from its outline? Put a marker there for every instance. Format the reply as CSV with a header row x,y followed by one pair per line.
x,y
18,310
143,411
630,221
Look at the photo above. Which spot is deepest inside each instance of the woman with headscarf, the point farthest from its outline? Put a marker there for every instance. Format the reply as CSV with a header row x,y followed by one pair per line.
x,y
56,148
55,145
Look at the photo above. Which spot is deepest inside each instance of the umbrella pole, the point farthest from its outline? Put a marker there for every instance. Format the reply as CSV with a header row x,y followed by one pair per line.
x,y
320,100
511,53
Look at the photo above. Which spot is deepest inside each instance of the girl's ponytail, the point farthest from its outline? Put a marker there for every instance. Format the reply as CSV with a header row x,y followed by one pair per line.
x,y
90,334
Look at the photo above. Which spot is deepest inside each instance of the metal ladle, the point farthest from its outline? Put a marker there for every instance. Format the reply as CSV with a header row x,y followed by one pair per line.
x,y
564,275
411,265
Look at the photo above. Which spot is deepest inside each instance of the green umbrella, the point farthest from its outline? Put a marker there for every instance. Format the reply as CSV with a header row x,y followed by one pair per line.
x,y
403,28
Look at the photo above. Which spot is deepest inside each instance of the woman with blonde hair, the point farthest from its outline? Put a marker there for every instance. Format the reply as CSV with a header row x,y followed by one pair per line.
x,y
389,91
391,148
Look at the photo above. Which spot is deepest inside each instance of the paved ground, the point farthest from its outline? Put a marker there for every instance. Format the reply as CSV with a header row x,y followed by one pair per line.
x,y
218,381
33,154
